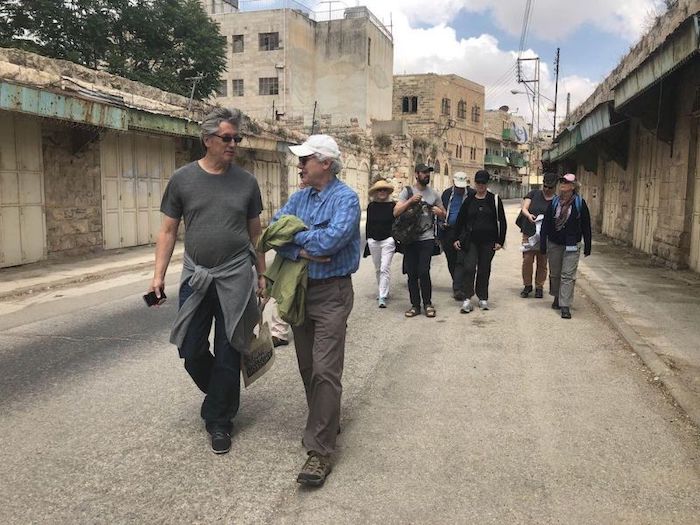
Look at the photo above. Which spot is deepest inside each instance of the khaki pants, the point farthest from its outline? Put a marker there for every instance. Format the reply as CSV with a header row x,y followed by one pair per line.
x,y
320,345
278,328
563,266
529,258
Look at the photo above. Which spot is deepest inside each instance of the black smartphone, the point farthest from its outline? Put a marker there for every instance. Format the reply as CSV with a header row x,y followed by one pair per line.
x,y
151,299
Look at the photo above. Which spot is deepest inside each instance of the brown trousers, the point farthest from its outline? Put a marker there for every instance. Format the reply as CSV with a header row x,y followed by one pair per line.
x,y
320,345
529,263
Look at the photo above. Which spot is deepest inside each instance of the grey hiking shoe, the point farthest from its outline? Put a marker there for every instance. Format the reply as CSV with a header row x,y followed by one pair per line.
x,y
315,470
483,304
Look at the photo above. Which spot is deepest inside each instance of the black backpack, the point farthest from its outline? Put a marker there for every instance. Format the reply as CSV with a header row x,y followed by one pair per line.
x,y
407,226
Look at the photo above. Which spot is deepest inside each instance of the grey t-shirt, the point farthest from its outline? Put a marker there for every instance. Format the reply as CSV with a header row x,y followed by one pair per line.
x,y
216,210
430,199
538,206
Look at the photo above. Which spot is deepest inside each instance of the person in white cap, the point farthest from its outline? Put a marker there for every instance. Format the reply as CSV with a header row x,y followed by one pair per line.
x,y
331,211
452,199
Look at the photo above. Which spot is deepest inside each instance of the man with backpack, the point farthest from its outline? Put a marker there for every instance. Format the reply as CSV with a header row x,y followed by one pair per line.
x,y
421,204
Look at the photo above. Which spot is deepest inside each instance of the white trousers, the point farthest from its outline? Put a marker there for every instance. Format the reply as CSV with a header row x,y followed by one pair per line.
x,y
278,328
382,253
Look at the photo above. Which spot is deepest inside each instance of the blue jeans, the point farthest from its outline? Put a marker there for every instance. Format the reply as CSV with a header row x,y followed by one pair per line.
x,y
218,375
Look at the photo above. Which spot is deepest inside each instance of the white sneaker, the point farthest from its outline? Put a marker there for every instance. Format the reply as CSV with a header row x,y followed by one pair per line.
x,y
466,307
484,305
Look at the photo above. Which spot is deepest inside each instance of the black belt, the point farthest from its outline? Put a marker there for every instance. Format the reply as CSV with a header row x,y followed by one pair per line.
x,y
327,280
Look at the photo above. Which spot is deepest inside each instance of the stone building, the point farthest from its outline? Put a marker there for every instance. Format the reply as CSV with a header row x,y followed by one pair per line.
x,y
445,118
507,149
634,143
85,157
290,65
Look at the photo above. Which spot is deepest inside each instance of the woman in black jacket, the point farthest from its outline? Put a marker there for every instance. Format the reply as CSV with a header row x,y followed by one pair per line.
x,y
480,232
566,222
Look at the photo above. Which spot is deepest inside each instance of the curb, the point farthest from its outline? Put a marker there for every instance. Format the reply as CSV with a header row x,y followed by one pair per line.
x,y
82,278
684,397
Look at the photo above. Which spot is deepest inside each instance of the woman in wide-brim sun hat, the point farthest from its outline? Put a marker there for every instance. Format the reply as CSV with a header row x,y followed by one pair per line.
x,y
381,245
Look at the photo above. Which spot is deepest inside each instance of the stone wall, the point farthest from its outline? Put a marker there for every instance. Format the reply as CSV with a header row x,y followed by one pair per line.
x,y
72,189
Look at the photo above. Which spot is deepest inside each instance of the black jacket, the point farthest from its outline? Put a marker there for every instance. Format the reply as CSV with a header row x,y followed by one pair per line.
x,y
463,227
577,227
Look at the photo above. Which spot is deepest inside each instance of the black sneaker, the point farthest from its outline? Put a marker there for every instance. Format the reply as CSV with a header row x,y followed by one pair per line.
x,y
526,291
315,470
276,341
555,304
539,293
565,312
220,442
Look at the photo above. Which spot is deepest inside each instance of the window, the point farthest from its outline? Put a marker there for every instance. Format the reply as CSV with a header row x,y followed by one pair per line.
x,y
237,43
269,41
445,110
476,113
409,105
269,86
369,51
447,170
462,109
221,90
472,154
237,87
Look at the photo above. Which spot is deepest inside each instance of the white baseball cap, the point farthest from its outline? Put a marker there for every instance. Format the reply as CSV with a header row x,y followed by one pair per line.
x,y
322,144
459,179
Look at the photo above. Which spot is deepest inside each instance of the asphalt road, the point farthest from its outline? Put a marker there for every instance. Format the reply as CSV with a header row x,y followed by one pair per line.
x,y
506,416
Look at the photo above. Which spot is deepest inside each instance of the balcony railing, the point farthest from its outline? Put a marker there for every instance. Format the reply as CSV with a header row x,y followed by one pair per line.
x,y
495,160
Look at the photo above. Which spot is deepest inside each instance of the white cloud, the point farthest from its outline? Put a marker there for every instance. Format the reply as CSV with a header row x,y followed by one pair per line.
x,y
436,48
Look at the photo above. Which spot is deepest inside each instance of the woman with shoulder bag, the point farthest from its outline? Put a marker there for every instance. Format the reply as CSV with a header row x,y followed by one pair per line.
x,y
535,204
566,222
381,245
480,232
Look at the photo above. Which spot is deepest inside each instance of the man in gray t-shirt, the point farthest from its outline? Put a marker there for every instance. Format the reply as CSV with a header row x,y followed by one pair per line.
x,y
417,254
220,204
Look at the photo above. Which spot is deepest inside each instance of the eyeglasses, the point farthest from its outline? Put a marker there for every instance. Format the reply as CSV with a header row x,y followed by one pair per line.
x,y
548,187
228,138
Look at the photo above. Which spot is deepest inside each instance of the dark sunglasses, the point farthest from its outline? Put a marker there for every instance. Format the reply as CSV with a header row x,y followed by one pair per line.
x,y
228,138
304,160
548,187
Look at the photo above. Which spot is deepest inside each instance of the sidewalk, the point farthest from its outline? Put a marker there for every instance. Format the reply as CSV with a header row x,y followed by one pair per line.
x,y
44,275
657,310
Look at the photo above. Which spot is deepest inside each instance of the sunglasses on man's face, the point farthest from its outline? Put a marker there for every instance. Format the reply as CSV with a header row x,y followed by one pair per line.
x,y
228,138
304,160
548,187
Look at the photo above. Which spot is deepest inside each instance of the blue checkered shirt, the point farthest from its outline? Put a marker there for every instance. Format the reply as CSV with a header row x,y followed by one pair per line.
x,y
333,218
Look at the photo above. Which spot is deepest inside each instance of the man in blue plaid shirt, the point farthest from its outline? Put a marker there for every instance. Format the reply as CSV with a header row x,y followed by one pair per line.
x,y
331,211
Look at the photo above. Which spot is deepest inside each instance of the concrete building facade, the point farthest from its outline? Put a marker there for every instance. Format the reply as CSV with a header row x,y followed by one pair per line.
x,y
445,117
285,65
634,143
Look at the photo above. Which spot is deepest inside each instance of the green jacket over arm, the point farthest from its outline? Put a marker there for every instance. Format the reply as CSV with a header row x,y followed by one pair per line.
x,y
286,279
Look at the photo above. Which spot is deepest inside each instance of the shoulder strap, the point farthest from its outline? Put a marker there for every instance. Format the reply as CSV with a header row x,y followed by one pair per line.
x,y
555,202
409,191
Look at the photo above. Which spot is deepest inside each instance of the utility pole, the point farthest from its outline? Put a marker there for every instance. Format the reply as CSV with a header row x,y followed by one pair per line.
x,y
313,118
556,92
